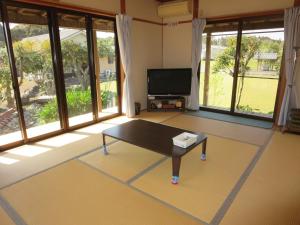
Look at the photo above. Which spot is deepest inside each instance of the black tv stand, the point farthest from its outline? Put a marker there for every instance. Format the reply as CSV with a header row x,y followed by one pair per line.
x,y
165,103
166,97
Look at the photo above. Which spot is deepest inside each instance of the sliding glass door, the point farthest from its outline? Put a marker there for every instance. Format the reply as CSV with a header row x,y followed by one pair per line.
x,y
240,66
260,61
73,41
217,69
9,118
33,60
58,71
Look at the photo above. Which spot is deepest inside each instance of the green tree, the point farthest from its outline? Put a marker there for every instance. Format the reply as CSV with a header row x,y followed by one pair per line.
x,y
21,31
5,80
35,58
28,58
75,58
225,62
269,45
106,47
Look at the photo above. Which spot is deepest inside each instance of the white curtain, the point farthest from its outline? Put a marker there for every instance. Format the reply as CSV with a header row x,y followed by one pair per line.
x,y
124,24
198,27
291,31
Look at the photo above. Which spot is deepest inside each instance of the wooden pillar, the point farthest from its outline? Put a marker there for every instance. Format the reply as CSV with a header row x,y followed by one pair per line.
x,y
122,78
195,8
123,6
280,91
297,3
207,69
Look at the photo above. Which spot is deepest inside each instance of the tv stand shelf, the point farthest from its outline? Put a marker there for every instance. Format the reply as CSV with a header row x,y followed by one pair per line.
x,y
165,103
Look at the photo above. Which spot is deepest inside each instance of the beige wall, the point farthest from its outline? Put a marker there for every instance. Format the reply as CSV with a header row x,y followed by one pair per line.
x,y
145,9
177,43
211,8
147,53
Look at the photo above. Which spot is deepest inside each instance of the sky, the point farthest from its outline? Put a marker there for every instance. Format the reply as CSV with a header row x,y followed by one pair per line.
x,y
104,34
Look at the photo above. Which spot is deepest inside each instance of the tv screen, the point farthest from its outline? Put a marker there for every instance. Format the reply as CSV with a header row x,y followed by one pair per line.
x,y
169,81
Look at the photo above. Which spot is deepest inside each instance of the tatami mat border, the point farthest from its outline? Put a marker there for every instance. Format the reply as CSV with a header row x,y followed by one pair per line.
x,y
140,191
230,198
11,212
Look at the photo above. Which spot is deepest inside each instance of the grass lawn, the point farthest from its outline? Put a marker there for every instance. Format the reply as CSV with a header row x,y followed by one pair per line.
x,y
258,94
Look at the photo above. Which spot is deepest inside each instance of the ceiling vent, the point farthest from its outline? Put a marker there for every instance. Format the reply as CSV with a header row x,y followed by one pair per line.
x,y
175,8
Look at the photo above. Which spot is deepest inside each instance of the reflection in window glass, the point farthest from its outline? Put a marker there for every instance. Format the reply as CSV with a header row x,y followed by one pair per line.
x,y
105,67
76,68
9,120
31,45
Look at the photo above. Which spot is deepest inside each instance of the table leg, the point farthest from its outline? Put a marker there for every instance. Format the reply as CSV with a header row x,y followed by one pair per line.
x,y
104,145
176,161
203,154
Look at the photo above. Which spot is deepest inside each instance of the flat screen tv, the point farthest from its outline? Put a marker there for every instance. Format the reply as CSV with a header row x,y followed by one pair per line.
x,y
169,81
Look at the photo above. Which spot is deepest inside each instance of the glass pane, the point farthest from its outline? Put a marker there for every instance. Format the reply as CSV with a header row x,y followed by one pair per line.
x,y
76,70
31,45
105,67
261,53
217,67
9,119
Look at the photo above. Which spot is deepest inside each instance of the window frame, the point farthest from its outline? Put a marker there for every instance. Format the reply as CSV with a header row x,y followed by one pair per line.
x,y
240,30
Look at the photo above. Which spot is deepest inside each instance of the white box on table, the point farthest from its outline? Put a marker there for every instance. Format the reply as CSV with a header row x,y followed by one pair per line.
x,y
185,139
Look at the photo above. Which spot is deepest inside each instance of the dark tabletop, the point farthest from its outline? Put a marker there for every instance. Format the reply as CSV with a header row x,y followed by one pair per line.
x,y
153,136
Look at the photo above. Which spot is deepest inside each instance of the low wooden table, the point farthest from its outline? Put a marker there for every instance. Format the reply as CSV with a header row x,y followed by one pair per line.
x,y
155,137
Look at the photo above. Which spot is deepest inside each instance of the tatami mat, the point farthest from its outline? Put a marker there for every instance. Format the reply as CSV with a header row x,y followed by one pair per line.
x,y
75,194
203,186
124,160
271,195
252,135
30,159
4,219
157,117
